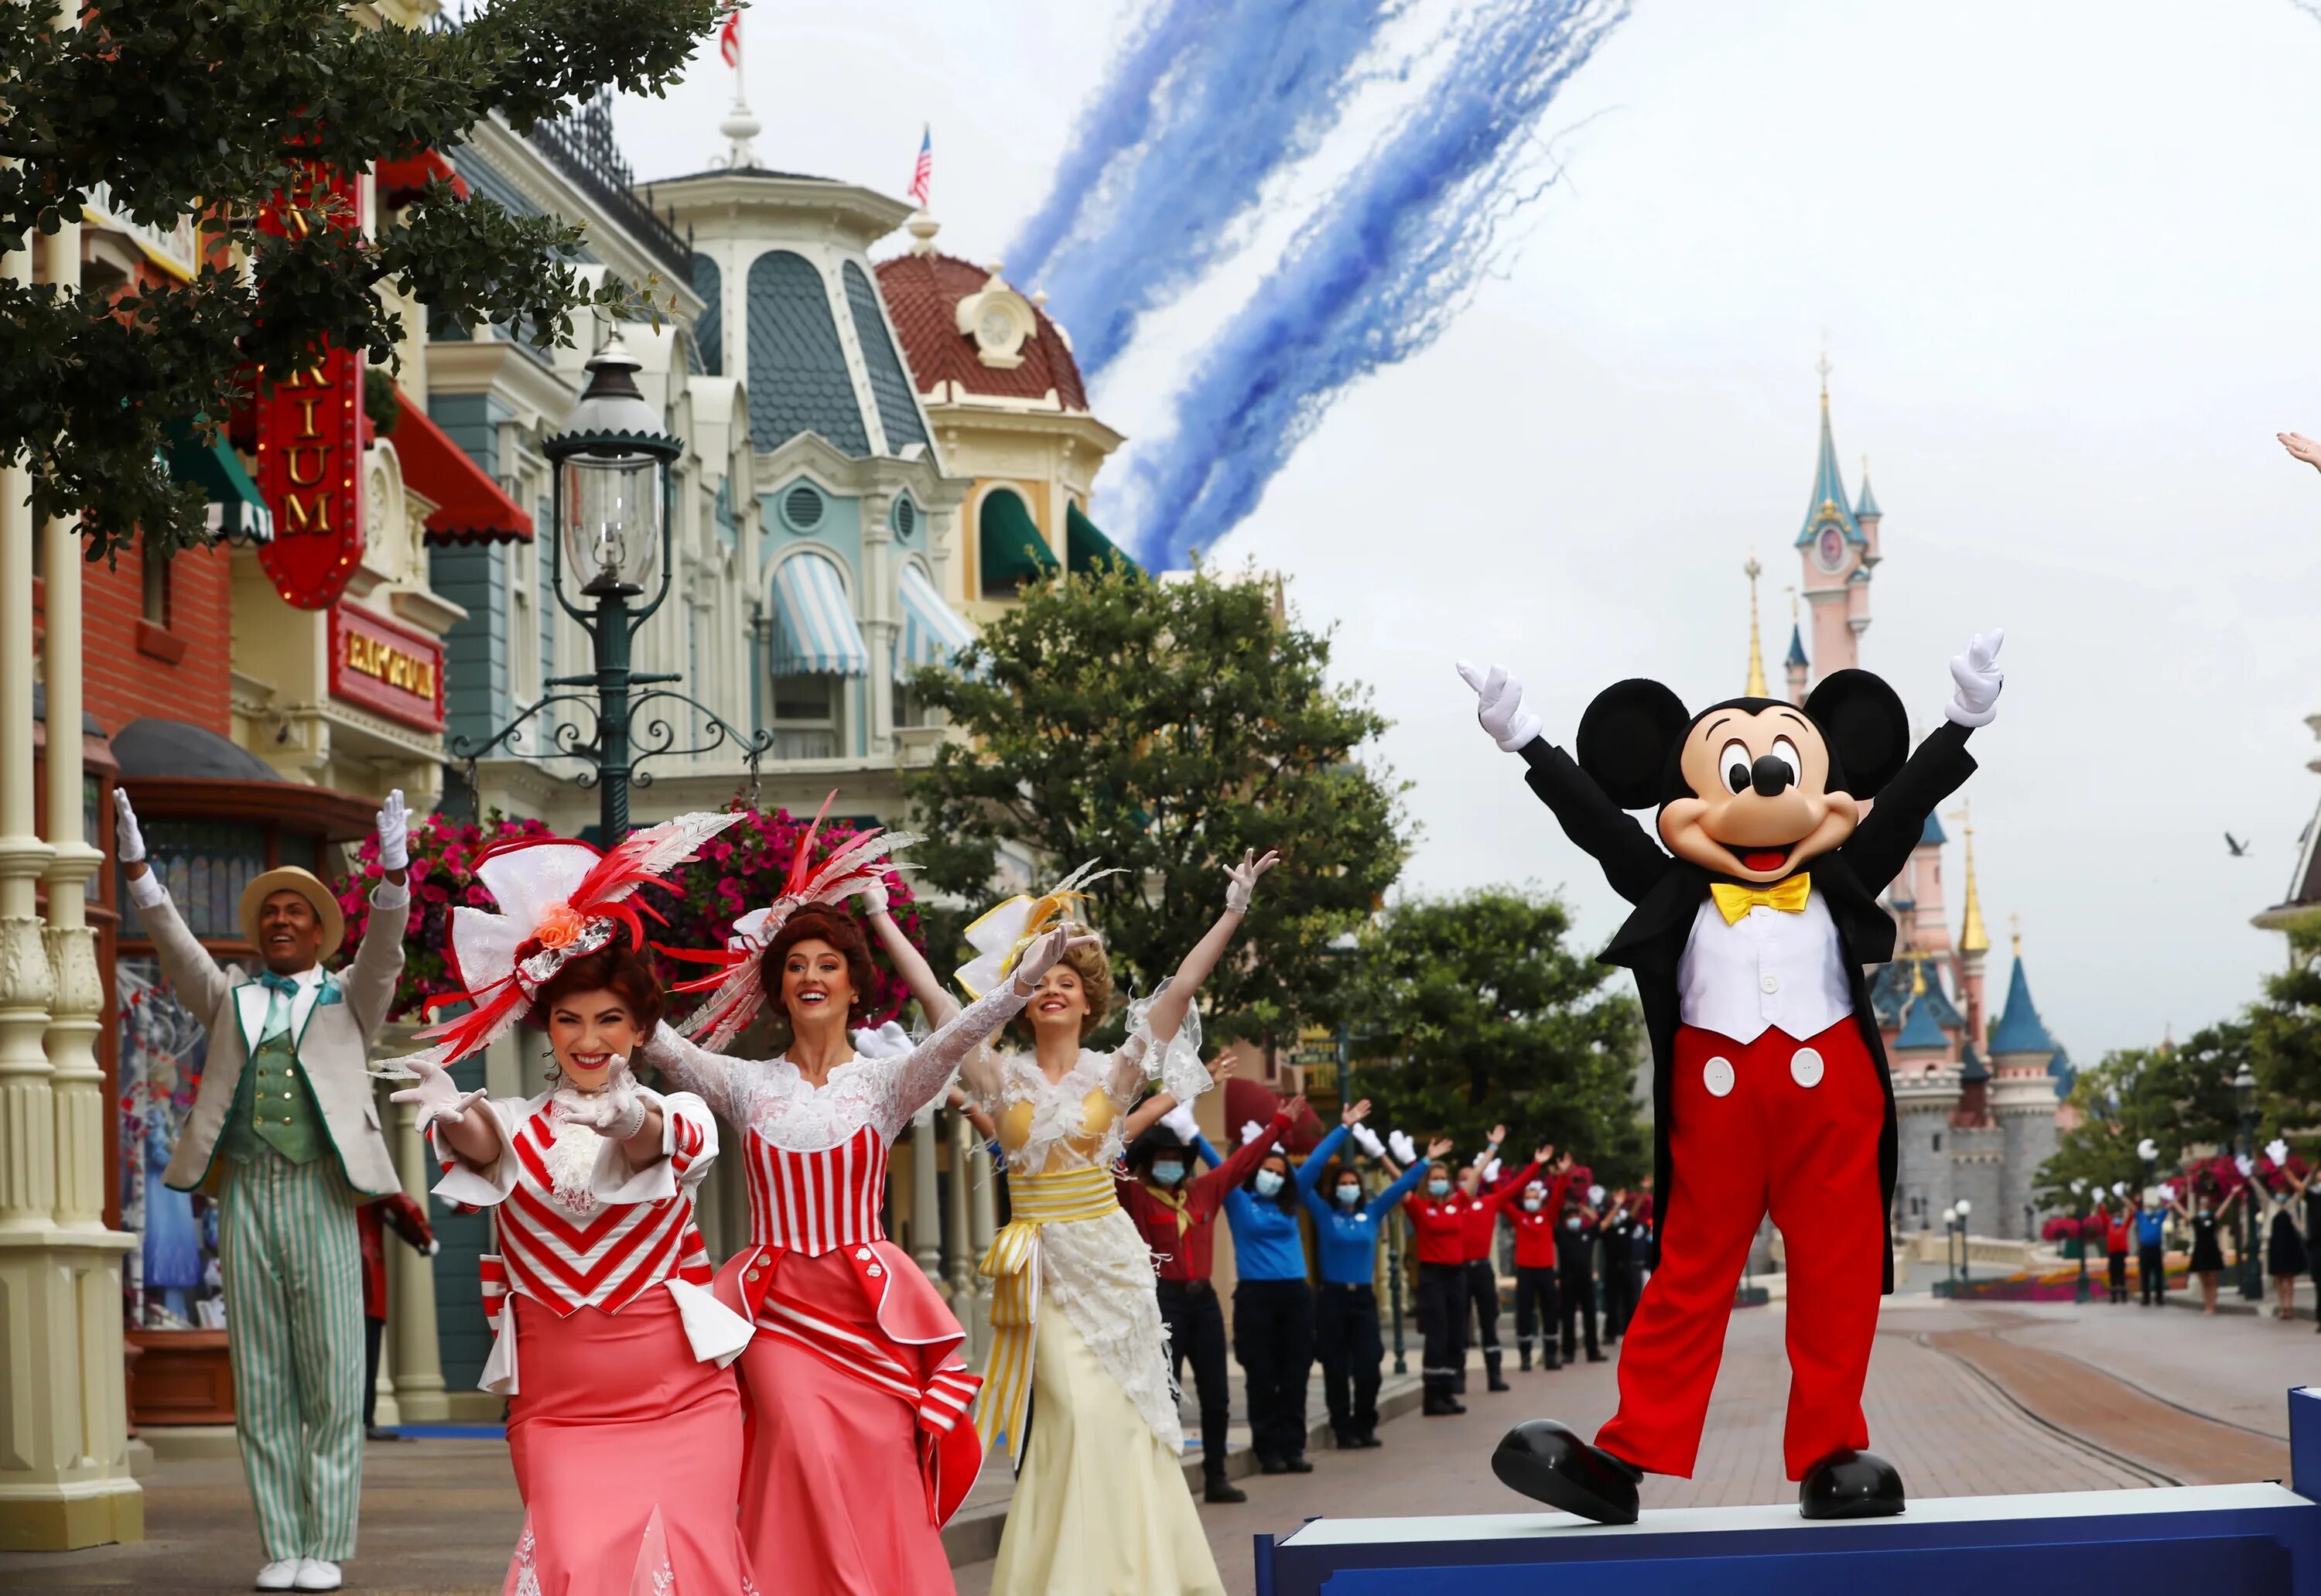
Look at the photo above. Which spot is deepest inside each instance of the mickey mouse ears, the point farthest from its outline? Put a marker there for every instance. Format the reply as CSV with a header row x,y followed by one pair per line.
x,y
1626,734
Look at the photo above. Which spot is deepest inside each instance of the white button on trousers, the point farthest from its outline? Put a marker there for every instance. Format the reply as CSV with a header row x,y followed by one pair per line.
x,y
1804,1067
1717,1076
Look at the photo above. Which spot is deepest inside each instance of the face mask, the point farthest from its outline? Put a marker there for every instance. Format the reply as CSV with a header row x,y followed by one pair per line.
x,y
1573,1223
1268,1184
1348,1195
1531,1205
2203,1210
1438,1189
1168,1174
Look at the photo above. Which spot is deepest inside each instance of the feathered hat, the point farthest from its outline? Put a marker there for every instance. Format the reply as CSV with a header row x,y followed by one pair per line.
x,y
735,992
1004,931
559,900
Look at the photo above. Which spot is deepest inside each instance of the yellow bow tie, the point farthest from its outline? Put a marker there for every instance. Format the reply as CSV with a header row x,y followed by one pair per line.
x,y
1733,900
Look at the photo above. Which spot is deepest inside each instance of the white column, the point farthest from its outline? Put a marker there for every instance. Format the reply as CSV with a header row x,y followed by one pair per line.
x,y
982,1223
411,1292
874,599
926,1245
959,1261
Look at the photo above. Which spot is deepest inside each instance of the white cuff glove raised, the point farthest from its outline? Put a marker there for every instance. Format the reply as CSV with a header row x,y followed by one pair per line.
x,y
1367,1140
873,896
1491,1171
439,1097
1499,706
1976,679
1249,1131
393,833
128,842
1179,1120
1405,1150
2277,1151
1242,879
1041,957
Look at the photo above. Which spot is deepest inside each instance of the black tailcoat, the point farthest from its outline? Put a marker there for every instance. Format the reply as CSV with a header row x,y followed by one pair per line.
x,y
1668,892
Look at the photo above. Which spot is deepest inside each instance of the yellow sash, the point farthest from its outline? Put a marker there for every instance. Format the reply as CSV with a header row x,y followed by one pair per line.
x,y
1014,1266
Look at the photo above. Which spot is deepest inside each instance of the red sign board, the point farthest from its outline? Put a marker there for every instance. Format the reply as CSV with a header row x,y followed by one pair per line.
x,y
385,668
310,443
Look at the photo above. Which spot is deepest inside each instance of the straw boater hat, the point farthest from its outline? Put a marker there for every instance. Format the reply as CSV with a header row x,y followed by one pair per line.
x,y
289,878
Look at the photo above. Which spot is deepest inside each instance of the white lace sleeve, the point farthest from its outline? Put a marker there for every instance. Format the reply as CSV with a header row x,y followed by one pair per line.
x,y
911,1083
717,1077
480,1186
1178,1067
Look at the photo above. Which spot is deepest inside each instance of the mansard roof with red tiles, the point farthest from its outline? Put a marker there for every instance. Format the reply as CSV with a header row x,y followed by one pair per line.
x,y
923,294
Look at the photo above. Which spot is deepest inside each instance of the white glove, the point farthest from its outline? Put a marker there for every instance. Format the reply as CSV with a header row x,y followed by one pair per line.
x,y
2147,1148
440,1100
1179,1120
1367,1140
1595,1196
2277,1151
1041,957
128,842
620,1110
873,894
2119,1188
1500,706
1249,1131
2245,1164
393,833
1491,1170
1244,878
1405,1150
2168,1191
1976,679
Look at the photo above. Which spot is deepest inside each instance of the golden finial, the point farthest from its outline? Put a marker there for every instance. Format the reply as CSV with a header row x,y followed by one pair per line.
x,y
1755,686
1973,937
2014,926
1919,978
1822,366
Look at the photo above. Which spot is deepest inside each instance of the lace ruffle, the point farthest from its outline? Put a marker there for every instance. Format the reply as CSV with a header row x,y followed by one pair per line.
x,y
1098,1274
1178,1067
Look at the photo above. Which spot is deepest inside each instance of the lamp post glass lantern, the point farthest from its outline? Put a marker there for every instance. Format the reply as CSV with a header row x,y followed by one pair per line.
x,y
613,485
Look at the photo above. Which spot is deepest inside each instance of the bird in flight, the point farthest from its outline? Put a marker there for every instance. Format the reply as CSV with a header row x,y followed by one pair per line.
x,y
2239,849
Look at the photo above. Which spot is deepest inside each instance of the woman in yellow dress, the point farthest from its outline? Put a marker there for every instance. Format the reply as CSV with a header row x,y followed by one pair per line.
x,y
1078,1379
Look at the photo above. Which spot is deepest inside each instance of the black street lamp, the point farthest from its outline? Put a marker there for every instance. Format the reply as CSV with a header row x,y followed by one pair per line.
x,y
2079,1201
612,497
2244,1099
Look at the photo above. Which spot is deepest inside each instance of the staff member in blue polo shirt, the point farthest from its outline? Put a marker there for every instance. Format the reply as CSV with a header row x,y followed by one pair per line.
x,y
1273,1309
1345,1316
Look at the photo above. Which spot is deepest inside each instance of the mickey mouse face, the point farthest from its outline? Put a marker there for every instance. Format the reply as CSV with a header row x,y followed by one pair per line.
x,y
1759,803
1751,788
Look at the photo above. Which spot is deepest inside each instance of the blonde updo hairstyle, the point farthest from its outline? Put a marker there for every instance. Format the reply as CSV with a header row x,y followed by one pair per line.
x,y
1093,965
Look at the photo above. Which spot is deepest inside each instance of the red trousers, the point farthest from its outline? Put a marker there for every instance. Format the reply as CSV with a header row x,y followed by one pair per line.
x,y
1781,1126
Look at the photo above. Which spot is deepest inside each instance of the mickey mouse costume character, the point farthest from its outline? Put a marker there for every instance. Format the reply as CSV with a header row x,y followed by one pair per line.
x,y
1755,914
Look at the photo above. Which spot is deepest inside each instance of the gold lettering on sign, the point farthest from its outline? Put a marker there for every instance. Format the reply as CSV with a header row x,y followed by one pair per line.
x,y
382,662
306,512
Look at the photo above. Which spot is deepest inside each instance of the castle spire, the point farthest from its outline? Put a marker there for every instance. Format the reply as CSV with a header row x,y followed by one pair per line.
x,y
1973,937
1755,687
1830,504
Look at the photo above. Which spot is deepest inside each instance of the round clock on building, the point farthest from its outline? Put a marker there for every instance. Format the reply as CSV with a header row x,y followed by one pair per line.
x,y
1830,548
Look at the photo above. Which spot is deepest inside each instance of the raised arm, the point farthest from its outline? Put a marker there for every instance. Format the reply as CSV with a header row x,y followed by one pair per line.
x,y
1404,1185
714,1077
200,983
922,1076
1937,768
1211,1187
1168,1005
1318,1159
377,965
918,975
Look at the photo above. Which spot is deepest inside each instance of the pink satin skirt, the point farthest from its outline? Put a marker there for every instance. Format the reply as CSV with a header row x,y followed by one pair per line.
x,y
830,1492
628,1454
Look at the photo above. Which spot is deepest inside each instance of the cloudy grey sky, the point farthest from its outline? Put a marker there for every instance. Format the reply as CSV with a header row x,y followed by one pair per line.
x,y
2063,257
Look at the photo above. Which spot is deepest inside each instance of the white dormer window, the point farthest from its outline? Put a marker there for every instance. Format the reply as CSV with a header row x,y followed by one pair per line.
x,y
999,320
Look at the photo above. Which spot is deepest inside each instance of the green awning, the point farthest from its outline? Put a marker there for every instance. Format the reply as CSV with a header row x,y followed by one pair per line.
x,y
1013,551
1088,548
237,511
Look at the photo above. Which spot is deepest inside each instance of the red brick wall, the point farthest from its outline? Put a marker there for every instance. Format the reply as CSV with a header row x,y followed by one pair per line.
x,y
127,667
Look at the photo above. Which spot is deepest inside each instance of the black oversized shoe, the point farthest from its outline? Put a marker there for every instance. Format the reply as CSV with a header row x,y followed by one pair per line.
x,y
1548,1462
1850,1485
1216,1488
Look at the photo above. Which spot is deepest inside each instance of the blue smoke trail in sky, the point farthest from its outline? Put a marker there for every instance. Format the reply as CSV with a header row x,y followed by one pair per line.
x,y
1207,102
1373,278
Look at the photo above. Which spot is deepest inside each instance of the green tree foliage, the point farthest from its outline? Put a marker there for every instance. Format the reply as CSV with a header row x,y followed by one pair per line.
x,y
206,106
1162,730
2285,1032
2177,1096
1472,1010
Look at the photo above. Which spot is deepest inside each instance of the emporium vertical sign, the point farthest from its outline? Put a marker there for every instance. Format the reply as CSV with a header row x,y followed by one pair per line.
x,y
310,435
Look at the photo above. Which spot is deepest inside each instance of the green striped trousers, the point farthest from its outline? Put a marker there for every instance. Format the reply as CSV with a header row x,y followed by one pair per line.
x,y
292,1259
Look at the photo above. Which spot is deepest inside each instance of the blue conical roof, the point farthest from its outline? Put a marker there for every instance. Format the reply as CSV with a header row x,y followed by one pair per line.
x,y
2020,1028
1866,505
1971,1067
1920,1031
1934,836
1829,503
1797,659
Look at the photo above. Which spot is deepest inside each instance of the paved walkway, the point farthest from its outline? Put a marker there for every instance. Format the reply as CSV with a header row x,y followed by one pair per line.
x,y
1967,1398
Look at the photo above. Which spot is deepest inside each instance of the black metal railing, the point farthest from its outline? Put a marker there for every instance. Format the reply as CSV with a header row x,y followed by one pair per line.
x,y
582,146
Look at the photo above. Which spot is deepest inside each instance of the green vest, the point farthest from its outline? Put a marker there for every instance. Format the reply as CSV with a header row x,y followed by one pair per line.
x,y
274,1107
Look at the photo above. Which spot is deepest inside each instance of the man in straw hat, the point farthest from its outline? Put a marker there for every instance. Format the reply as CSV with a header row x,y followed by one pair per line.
x,y
285,1133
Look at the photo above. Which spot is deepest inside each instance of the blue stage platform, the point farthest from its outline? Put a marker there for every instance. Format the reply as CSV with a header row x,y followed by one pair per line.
x,y
2215,1540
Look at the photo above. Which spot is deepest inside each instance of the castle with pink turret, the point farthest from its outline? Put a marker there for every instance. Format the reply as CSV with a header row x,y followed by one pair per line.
x,y
1978,1100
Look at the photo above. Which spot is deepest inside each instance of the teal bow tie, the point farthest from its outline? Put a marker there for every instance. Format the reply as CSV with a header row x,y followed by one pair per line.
x,y
286,985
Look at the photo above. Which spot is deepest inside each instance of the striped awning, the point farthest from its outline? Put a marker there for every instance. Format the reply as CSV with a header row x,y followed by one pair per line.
x,y
931,634
814,634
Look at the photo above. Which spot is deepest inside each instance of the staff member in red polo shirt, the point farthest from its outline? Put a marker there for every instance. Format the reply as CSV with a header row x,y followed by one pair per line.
x,y
1440,1215
1479,1236
1177,1210
1538,1309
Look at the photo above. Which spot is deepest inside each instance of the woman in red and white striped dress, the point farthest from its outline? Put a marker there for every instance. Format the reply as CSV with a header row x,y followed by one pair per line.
x,y
860,1445
624,1419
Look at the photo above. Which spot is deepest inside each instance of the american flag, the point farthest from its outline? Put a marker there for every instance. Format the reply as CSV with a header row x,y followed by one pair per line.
x,y
922,171
729,38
